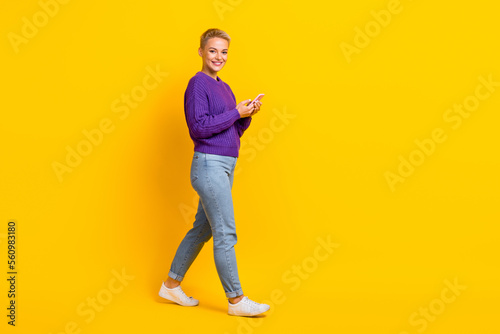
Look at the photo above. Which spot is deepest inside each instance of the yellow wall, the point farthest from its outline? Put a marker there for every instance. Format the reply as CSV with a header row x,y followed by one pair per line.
x,y
367,190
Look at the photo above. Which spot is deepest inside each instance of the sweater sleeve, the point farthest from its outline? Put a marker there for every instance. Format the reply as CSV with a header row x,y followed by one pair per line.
x,y
243,123
201,123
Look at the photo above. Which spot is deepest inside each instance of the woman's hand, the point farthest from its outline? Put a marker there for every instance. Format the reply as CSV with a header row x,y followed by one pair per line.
x,y
256,107
246,111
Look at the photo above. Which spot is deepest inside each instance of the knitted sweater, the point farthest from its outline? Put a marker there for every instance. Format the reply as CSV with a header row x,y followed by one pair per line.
x,y
214,122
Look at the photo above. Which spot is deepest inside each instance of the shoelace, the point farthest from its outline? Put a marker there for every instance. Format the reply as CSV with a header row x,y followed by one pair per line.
x,y
251,302
182,291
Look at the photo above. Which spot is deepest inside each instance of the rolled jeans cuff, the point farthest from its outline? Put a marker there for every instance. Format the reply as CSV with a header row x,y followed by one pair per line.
x,y
234,293
175,276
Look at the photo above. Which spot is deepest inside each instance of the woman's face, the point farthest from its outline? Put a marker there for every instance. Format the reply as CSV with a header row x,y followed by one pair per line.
x,y
215,54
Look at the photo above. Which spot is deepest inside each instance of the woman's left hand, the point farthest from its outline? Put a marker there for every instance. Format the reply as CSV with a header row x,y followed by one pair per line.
x,y
256,107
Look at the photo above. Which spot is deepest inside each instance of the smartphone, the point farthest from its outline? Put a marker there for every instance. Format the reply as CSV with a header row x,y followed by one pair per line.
x,y
258,98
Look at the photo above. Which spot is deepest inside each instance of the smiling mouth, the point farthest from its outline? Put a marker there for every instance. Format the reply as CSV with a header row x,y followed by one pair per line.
x,y
217,63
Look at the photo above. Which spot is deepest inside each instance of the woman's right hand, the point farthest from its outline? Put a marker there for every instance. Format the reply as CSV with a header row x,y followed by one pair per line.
x,y
245,111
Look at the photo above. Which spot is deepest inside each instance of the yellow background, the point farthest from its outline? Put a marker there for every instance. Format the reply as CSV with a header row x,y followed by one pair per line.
x,y
128,204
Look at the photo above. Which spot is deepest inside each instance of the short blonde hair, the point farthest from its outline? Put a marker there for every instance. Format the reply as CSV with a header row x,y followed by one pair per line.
x,y
211,33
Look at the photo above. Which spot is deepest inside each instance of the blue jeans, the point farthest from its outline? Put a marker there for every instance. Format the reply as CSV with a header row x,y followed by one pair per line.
x,y
212,178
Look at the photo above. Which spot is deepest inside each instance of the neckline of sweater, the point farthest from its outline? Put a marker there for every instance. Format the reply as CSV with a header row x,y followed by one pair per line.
x,y
216,80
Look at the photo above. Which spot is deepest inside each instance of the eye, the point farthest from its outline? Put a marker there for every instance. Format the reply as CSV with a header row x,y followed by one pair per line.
x,y
225,52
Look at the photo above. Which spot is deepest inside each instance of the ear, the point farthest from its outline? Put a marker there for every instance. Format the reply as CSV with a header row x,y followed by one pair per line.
x,y
200,52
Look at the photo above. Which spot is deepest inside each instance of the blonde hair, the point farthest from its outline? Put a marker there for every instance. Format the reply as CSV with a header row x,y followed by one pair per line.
x,y
211,33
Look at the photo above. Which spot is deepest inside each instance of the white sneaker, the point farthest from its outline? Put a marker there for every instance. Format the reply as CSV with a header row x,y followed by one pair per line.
x,y
246,307
177,296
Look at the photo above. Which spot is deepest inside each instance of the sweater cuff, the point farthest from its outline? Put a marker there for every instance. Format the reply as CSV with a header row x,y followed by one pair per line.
x,y
237,114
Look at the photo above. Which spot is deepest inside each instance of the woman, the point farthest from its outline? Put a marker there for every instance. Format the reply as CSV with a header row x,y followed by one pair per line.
x,y
215,125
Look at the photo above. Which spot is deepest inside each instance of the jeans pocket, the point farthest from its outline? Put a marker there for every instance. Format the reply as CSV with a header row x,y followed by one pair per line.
x,y
194,167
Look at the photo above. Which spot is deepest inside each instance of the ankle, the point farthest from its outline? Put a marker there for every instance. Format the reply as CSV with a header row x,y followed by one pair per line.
x,y
171,283
235,299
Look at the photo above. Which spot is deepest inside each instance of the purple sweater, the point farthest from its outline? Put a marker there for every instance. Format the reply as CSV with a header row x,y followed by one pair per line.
x,y
214,123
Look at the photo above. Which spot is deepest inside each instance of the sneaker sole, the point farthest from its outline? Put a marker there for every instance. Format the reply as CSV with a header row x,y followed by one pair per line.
x,y
248,315
167,297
